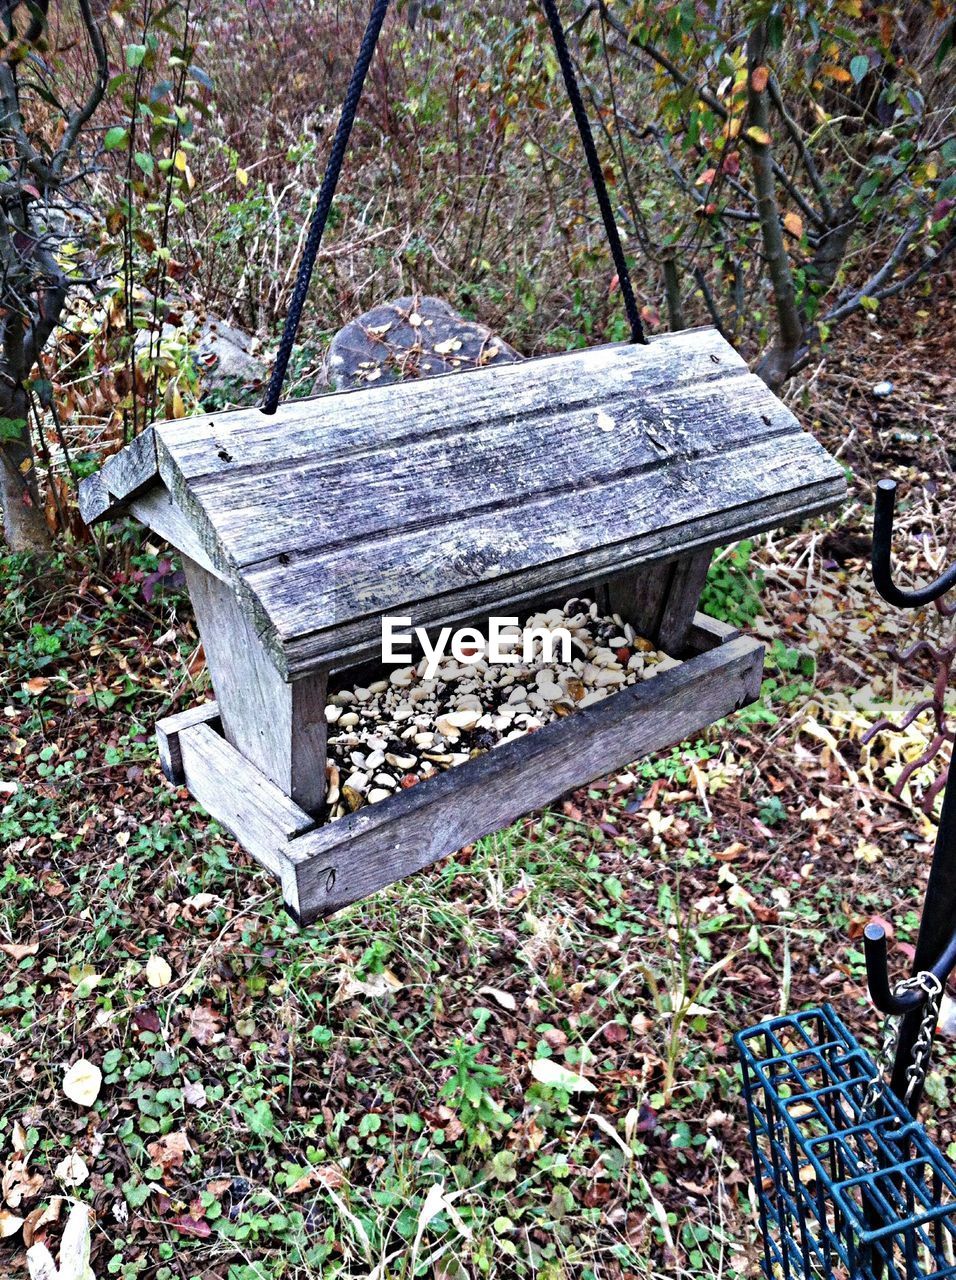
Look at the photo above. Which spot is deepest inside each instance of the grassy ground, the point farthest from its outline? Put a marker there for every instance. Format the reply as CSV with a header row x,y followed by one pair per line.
x,y
279,1102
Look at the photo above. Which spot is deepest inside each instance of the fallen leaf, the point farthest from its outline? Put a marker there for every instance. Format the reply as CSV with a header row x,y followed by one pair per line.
x,y
758,79
74,1251
194,1093
436,1201
204,1025
37,685
793,223
547,1071
188,1226
169,1151
20,950
75,1246
378,984
158,972
329,1176
10,1224
40,1218
146,1020
72,1170
201,901
18,1184
504,998
41,1264
82,1082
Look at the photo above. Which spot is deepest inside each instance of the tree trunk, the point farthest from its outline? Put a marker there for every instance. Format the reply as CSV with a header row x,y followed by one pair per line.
x,y
775,365
675,311
24,523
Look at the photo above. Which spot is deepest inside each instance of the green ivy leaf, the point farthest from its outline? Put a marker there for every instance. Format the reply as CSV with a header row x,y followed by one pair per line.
x,y
260,1120
115,137
11,429
859,66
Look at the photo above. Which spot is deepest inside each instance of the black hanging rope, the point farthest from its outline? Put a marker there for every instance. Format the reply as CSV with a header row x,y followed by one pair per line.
x,y
597,176
337,158
326,194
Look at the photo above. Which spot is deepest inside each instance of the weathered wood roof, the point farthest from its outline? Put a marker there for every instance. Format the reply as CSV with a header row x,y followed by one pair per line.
x,y
442,498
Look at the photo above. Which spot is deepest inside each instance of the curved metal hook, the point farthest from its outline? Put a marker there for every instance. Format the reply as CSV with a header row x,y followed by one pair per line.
x,y
878,976
882,554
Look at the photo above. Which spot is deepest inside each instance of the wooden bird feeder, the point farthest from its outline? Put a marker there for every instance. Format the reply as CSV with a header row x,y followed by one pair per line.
x,y
612,471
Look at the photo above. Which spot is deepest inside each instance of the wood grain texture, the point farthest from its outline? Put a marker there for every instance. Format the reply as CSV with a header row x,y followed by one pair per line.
x,y
237,795
278,726
167,737
477,567
680,603
133,469
157,511
409,483
706,633
660,600
342,423
94,499
341,862
454,495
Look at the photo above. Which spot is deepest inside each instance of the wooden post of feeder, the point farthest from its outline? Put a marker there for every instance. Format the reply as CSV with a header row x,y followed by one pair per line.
x,y
660,600
278,725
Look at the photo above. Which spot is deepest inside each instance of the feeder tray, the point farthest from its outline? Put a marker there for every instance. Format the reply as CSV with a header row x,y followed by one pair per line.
x,y
842,1194
611,472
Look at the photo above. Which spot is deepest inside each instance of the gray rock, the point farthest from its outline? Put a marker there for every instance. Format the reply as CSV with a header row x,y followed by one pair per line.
x,y
410,338
225,356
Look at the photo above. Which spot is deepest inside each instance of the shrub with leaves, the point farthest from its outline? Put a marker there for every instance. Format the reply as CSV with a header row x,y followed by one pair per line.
x,y
791,165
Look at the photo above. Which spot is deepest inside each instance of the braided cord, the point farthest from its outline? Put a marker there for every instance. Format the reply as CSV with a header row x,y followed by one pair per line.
x,y
326,195
334,168
597,175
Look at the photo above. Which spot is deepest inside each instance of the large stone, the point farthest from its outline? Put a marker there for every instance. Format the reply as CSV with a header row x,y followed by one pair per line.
x,y
410,338
225,356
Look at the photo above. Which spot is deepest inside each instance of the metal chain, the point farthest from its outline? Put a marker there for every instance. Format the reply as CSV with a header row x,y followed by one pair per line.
x,y
932,988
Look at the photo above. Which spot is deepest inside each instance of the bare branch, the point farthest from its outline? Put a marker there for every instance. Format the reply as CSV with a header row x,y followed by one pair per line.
x,y
877,287
50,303
710,303
83,113
708,97
11,123
806,159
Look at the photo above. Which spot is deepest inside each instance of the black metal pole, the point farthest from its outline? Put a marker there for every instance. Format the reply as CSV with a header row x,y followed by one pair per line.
x,y
936,931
